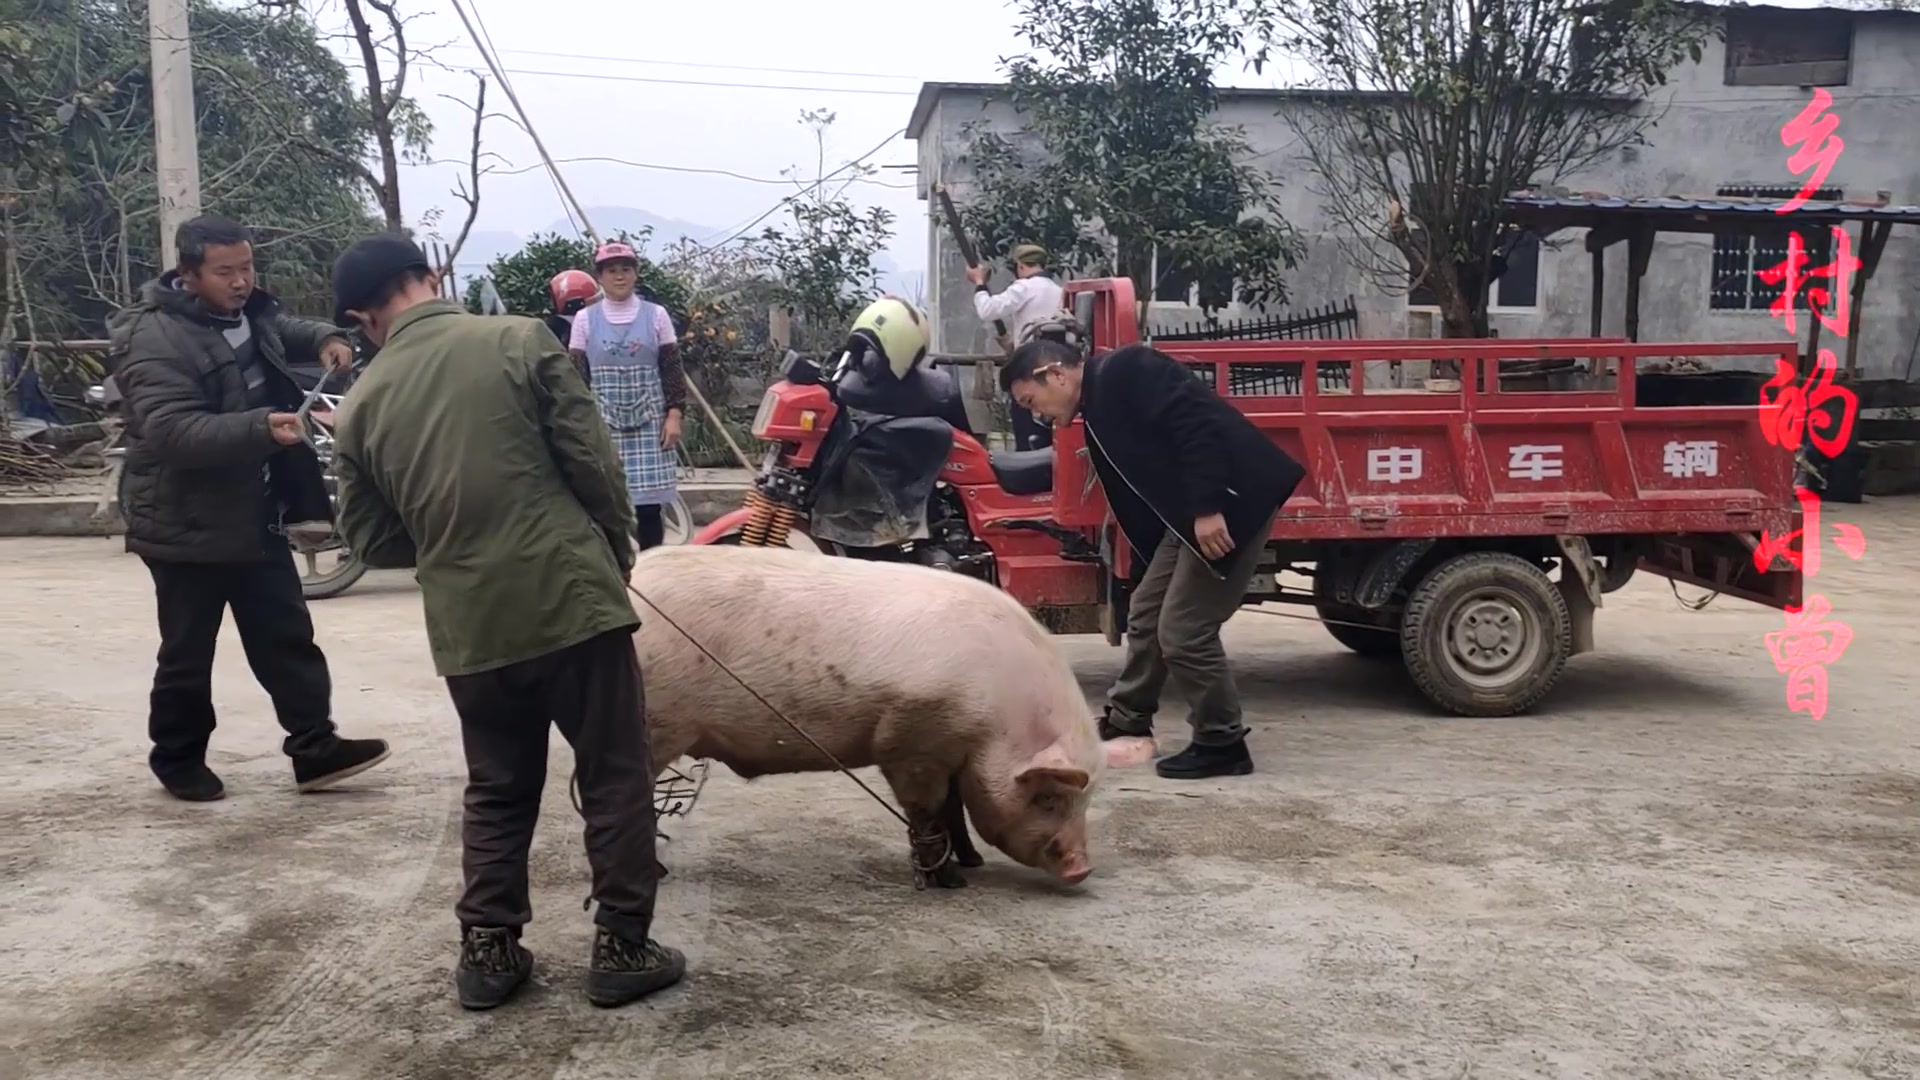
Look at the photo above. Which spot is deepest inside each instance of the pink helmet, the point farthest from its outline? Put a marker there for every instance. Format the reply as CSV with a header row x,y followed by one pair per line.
x,y
613,250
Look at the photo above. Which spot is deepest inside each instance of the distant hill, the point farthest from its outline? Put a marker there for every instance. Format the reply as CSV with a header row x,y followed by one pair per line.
x,y
484,246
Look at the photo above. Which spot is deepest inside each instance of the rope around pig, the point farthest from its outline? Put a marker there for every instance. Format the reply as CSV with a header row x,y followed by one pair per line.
x,y
946,856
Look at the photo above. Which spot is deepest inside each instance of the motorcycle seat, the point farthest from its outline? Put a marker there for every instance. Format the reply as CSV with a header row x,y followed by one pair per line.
x,y
1023,472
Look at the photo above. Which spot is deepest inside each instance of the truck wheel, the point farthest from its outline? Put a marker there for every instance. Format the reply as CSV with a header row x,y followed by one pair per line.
x,y
1486,634
1618,570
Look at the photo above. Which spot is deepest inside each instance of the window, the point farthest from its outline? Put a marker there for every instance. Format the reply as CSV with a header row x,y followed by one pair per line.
x,y
1738,257
1519,286
1772,47
1176,282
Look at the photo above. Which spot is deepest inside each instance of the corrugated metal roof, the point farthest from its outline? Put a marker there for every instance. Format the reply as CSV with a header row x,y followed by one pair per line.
x,y
1661,204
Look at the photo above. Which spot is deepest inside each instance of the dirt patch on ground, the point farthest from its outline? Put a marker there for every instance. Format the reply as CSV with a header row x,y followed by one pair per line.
x,y
1661,874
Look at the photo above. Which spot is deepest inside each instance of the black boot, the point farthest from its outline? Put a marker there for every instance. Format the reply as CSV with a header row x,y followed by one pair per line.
x,y
337,761
624,971
1109,732
493,964
1199,762
193,783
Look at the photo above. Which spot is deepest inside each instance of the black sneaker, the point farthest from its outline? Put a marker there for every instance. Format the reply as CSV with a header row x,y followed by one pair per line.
x,y
623,971
195,783
338,761
493,964
1199,762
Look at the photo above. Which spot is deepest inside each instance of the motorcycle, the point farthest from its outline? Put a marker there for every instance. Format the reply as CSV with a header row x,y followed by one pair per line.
x,y
866,465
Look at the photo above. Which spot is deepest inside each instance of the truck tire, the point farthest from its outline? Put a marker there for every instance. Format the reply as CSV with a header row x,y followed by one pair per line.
x,y
1486,634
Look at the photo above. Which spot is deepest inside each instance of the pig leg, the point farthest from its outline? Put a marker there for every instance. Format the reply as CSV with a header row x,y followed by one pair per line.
x,y
953,813
921,794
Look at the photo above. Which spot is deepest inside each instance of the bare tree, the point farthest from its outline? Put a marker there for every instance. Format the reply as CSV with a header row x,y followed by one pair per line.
x,y
1434,111
399,128
468,188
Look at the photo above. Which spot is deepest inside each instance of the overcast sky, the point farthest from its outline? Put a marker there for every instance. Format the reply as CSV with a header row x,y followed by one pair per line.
x,y
705,85
693,86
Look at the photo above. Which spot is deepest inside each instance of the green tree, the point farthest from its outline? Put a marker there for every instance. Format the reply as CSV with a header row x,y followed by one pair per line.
x,y
1434,111
521,278
822,261
1119,165
85,234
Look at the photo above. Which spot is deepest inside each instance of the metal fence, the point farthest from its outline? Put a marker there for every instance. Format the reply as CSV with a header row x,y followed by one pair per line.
x,y
1318,323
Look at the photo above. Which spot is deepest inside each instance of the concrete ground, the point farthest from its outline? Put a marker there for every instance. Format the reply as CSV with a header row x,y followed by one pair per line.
x,y
1663,874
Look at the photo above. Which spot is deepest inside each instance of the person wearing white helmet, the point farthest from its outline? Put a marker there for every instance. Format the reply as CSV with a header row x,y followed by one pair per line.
x,y
627,345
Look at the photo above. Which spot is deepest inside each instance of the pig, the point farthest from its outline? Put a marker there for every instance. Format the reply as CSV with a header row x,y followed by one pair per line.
x,y
941,680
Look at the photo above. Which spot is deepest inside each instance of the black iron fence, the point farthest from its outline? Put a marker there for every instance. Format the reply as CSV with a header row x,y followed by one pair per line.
x,y
1315,323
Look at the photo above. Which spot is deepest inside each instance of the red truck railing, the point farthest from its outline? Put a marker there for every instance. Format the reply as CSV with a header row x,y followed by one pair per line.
x,y
1477,460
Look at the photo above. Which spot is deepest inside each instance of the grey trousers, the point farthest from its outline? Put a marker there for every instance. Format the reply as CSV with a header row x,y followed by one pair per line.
x,y
1173,628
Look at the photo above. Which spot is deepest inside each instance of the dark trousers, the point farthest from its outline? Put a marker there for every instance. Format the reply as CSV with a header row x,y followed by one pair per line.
x,y
592,693
276,632
1028,432
649,528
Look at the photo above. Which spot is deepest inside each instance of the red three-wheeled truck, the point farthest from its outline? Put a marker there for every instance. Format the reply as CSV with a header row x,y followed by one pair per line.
x,y
1470,526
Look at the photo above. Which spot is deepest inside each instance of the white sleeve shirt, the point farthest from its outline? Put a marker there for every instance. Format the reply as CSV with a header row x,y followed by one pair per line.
x,y
1025,303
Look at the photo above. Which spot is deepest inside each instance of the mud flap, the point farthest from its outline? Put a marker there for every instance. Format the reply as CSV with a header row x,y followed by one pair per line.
x,y
1579,585
1723,562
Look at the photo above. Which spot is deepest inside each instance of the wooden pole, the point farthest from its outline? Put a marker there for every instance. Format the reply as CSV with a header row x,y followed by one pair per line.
x,y
176,141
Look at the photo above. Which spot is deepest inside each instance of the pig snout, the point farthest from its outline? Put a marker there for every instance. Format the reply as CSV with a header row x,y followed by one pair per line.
x,y
1074,869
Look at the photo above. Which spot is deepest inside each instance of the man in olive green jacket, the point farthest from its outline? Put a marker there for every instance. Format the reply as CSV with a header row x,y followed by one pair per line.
x,y
473,452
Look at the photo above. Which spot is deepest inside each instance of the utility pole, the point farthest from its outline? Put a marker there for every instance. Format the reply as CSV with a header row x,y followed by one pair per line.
x,y
176,141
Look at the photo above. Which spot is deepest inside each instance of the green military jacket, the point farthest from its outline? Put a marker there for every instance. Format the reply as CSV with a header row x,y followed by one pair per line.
x,y
472,451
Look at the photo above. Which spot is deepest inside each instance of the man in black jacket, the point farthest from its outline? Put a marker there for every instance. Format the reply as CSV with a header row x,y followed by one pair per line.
x,y
1194,487
216,465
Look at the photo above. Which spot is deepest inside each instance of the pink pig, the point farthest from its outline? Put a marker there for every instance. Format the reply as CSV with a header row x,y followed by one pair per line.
x,y
941,680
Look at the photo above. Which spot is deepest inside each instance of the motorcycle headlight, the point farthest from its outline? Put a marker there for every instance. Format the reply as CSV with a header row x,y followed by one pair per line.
x,y
764,415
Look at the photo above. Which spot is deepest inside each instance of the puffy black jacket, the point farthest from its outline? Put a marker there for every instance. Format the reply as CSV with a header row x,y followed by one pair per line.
x,y
1169,450
193,488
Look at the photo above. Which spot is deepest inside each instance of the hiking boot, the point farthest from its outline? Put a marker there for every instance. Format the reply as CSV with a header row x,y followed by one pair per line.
x,y
194,783
493,964
1198,762
624,971
337,761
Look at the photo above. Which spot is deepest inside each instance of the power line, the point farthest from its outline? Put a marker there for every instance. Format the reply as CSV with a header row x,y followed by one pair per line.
x,y
717,67
600,77
679,169
775,208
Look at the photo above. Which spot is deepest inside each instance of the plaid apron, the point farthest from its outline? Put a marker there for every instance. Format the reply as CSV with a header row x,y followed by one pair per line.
x,y
625,362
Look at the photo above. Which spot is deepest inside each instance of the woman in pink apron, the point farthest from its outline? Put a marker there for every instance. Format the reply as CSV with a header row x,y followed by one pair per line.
x,y
627,344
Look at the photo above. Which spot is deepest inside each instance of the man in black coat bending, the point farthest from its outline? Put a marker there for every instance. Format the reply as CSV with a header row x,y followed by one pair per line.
x,y
1194,487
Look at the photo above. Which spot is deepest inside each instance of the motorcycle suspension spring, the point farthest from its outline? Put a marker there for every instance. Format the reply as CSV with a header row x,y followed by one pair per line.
x,y
782,524
760,511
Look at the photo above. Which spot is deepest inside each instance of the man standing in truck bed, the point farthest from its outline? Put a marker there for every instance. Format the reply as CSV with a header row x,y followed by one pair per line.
x,y
1034,298
1194,487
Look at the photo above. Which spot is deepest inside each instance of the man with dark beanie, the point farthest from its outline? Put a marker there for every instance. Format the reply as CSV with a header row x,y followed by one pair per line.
x,y
474,453
217,470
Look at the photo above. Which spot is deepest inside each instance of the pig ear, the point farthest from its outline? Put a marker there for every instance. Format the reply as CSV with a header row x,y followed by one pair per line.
x,y
1039,776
